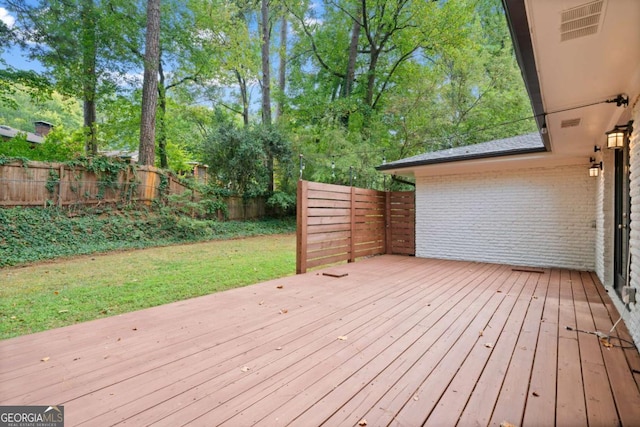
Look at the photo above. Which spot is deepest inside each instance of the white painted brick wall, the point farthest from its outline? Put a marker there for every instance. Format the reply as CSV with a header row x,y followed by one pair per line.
x,y
532,217
631,315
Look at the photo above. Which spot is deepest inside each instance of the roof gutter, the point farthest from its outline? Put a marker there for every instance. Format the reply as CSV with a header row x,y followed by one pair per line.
x,y
516,13
405,165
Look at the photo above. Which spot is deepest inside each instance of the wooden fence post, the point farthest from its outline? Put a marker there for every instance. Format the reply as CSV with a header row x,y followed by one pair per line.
x,y
61,187
301,229
352,229
388,237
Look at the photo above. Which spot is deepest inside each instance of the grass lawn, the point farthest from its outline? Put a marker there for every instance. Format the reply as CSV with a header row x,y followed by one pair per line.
x,y
59,293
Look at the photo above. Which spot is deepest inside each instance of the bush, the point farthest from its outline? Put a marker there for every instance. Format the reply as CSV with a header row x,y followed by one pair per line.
x,y
58,146
281,204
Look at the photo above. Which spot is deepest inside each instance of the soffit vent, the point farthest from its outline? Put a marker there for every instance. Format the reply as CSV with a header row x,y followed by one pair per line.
x,y
581,21
570,123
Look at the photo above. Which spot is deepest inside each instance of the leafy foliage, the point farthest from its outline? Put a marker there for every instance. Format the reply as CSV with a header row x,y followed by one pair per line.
x,y
53,108
365,82
34,234
12,81
59,146
239,156
281,203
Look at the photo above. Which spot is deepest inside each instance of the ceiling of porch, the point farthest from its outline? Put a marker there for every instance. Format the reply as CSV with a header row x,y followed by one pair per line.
x,y
585,52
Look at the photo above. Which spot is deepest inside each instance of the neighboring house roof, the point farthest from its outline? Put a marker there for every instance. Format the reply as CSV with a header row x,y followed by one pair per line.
x,y
10,133
522,144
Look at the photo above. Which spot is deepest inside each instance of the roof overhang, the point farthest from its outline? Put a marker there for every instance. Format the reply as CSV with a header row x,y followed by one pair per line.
x,y
574,56
523,47
568,79
538,160
487,152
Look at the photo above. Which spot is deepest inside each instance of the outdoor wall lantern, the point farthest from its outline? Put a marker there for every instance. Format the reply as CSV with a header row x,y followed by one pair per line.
x,y
617,136
595,168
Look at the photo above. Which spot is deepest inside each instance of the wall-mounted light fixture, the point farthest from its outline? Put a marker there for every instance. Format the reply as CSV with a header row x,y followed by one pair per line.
x,y
596,149
595,168
618,135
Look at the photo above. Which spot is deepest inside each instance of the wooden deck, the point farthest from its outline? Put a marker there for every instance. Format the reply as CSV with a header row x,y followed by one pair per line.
x,y
399,341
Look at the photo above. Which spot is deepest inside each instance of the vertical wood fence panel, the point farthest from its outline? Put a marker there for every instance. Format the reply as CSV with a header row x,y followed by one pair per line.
x,y
402,222
337,223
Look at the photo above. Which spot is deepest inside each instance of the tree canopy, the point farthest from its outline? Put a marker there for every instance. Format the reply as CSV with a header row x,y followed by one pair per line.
x,y
351,83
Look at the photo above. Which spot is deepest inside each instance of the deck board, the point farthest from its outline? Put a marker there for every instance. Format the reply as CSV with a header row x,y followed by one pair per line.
x,y
424,342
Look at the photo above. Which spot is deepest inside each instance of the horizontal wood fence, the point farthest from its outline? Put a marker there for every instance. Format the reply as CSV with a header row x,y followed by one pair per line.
x,y
57,184
337,223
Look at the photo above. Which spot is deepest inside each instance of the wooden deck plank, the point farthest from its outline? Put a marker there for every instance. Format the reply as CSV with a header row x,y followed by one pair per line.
x,y
570,404
454,399
172,314
374,382
416,409
99,367
513,394
601,409
540,409
624,387
482,401
229,371
330,371
221,388
412,354
600,302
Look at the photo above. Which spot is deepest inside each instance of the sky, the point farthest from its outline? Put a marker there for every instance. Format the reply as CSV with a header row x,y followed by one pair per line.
x,y
14,56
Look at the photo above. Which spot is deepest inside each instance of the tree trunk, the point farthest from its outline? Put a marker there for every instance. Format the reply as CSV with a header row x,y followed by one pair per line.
x,y
282,69
347,87
266,82
242,82
371,75
162,113
89,78
91,138
266,68
150,85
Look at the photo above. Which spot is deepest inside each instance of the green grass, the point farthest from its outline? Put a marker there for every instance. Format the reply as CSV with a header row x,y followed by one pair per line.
x,y
53,294
36,234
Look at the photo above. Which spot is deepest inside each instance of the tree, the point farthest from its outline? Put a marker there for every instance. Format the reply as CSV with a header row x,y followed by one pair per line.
x,y
266,67
150,85
282,66
228,36
78,42
239,156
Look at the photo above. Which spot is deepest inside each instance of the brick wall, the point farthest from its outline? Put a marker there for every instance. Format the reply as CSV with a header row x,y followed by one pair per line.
x,y
533,217
631,315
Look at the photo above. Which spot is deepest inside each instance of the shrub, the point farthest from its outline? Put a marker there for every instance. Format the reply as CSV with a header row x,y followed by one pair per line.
x,y
281,204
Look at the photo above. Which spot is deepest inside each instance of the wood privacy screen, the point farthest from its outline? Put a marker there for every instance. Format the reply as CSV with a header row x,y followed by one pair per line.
x,y
338,223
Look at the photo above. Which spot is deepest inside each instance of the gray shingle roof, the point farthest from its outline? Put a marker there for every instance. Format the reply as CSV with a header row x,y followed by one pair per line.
x,y
9,133
521,144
